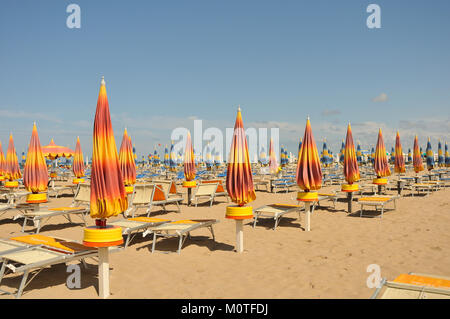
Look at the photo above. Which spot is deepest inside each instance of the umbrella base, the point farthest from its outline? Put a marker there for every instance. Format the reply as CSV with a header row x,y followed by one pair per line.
x,y
349,188
307,196
129,189
78,180
380,181
11,184
102,236
2,178
189,184
239,212
37,198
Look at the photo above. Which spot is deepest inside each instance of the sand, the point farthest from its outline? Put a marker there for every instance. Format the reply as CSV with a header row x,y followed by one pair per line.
x,y
330,261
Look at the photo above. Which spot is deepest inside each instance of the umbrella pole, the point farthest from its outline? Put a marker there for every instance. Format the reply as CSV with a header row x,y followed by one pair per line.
x,y
189,193
308,215
103,272
239,236
350,202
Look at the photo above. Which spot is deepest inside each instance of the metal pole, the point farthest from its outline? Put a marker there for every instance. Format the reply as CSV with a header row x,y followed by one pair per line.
x,y
350,202
239,236
103,272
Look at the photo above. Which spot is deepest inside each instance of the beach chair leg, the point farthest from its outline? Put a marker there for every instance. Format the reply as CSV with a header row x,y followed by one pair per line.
x,y
22,284
178,207
180,243
2,270
38,226
24,223
154,241
212,232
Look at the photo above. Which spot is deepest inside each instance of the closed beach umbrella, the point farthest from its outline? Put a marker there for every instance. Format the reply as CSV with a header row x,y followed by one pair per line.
x,y
173,158
239,181
447,156
155,157
381,165
325,155
372,156
208,159
12,164
166,157
35,175
417,156
430,156
392,155
409,156
78,163
299,148
189,162
399,161
273,165
108,197
2,162
263,156
126,161
351,169
309,172
342,153
441,159
359,154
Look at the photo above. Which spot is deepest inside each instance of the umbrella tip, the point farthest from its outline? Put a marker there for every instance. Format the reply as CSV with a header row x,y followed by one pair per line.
x,y
103,80
239,108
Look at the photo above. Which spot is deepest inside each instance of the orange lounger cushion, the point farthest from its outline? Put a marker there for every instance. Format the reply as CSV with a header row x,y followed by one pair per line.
x,y
285,205
422,281
57,209
374,199
325,194
148,219
185,221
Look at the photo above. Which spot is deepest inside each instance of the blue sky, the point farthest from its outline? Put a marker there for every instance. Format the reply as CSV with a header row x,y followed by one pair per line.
x,y
168,62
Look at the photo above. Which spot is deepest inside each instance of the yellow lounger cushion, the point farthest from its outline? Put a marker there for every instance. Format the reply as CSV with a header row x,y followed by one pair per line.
x,y
148,219
422,281
185,221
58,209
50,242
374,199
285,205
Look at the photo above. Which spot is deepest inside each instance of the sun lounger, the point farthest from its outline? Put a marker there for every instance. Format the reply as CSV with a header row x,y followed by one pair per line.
x,y
82,195
5,207
205,190
180,229
9,246
160,198
141,198
39,217
414,286
220,191
423,188
282,183
169,187
326,196
377,201
43,252
132,226
275,211
58,190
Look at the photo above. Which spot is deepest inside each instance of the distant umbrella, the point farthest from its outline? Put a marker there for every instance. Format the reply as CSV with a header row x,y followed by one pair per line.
x,y
263,156
126,160
399,161
381,165
53,151
78,163
12,164
392,155
447,156
299,147
359,154
189,164
417,156
2,161
173,158
35,174
351,169
372,155
342,152
441,158
430,156
166,157
409,156
273,165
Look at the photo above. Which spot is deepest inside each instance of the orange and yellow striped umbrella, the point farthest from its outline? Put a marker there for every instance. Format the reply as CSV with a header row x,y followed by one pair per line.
x,y
273,165
417,156
239,173
351,169
53,151
126,160
108,197
399,161
35,174
309,172
189,163
381,165
78,162
12,164
2,161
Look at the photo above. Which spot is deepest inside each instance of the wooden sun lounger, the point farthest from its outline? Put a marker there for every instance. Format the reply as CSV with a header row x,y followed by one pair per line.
x,y
132,226
276,211
180,229
414,286
377,201
46,252
39,217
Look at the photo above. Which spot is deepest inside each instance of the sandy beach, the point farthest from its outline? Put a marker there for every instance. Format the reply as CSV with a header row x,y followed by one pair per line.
x,y
330,261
